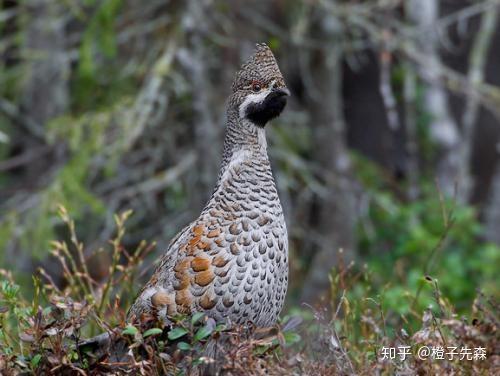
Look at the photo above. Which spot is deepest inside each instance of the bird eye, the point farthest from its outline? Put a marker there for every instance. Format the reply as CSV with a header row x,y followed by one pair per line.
x,y
256,87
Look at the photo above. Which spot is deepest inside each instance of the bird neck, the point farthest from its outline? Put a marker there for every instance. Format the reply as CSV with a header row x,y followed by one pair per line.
x,y
243,140
244,162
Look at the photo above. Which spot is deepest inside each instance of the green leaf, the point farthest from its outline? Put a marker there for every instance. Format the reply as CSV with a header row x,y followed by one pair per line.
x,y
196,317
152,332
184,346
197,361
36,360
259,350
176,333
203,332
130,330
220,328
291,338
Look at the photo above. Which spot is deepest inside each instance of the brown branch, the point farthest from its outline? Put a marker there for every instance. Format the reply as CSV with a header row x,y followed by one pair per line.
x,y
160,181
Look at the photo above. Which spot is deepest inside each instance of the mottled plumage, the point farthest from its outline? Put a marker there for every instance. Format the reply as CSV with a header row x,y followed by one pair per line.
x,y
232,261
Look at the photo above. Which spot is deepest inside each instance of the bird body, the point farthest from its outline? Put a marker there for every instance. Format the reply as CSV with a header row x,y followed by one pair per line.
x,y
232,261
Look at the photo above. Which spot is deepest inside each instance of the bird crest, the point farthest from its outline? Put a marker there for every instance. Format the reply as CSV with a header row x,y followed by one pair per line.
x,y
260,67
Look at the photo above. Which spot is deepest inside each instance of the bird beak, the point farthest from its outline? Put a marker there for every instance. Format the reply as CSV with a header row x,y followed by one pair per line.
x,y
281,91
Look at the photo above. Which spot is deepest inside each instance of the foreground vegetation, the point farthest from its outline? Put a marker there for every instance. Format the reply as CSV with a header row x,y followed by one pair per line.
x,y
43,334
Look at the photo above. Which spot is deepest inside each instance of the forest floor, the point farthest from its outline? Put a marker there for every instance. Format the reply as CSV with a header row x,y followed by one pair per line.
x,y
46,334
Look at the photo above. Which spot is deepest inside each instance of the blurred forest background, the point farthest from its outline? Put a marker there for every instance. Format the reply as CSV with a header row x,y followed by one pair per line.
x,y
389,149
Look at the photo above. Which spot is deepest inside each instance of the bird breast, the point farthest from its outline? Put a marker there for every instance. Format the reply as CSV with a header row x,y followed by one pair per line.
x,y
232,262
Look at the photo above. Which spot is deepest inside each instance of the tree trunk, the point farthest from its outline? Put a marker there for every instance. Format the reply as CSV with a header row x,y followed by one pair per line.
x,y
195,61
336,212
45,90
477,61
492,212
443,129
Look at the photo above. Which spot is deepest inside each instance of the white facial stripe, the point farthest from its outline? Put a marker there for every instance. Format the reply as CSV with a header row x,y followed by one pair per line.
x,y
253,98
238,158
261,137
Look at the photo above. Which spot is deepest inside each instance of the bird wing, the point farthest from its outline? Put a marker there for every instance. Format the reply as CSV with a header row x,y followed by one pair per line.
x,y
183,280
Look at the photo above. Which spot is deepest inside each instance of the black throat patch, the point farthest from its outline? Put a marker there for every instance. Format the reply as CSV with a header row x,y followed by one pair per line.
x,y
269,108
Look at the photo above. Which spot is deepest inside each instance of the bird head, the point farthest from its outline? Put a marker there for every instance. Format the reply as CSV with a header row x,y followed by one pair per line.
x,y
259,90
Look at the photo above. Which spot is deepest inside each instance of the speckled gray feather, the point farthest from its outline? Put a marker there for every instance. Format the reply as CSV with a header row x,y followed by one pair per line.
x,y
232,261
